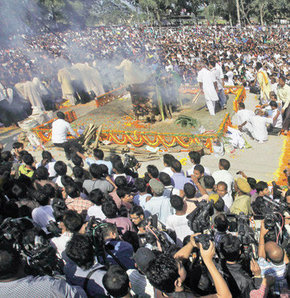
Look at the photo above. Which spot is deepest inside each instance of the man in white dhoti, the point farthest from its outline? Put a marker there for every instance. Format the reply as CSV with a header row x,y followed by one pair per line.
x,y
243,118
208,84
259,124
68,92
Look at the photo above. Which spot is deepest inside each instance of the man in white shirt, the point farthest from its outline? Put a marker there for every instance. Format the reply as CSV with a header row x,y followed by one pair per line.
x,y
259,124
222,191
60,129
224,175
178,221
243,117
208,84
217,71
229,74
275,128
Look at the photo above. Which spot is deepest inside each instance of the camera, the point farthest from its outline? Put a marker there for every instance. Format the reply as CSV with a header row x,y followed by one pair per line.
x,y
199,218
130,161
203,239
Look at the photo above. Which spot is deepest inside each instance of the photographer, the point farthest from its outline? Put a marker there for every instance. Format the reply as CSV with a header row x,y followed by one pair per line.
x,y
136,215
167,274
14,282
121,250
272,260
238,280
82,269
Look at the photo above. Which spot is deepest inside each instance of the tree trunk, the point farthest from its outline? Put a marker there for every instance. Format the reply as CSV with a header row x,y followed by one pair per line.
x,y
262,14
238,12
244,12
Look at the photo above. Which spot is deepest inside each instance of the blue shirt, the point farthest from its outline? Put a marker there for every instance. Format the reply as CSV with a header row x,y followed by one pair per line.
x,y
179,180
109,165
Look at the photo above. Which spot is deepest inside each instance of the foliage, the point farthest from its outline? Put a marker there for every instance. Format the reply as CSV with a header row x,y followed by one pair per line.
x,y
186,121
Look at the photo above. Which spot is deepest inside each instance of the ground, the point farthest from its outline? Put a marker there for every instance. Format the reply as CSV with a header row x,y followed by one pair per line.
x,y
260,161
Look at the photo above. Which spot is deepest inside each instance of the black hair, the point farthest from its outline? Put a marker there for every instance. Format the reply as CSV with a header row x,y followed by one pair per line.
x,y
209,182
105,170
66,180
252,182
72,190
162,273
273,104
118,166
259,65
165,179
138,210
116,281
199,168
96,196
81,251
40,197
60,115
223,184
121,182
10,261
110,209
49,190
17,145
176,202
260,186
76,160
242,105
219,205
96,171
72,221
225,164
122,192
60,168
189,190
108,228
153,171
195,156
28,159
46,155
140,184
283,78
98,153
230,247
167,159
78,172
176,165
41,173
221,222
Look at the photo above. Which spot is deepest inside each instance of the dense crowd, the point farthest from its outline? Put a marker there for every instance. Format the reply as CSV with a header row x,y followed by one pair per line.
x,y
106,231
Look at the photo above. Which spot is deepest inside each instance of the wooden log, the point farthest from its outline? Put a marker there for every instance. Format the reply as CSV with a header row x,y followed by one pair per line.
x,y
95,145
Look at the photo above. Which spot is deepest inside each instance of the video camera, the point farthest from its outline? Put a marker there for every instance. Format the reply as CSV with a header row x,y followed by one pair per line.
x,y
130,161
37,253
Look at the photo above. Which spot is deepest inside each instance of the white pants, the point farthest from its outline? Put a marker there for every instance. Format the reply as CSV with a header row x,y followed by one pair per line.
x,y
211,106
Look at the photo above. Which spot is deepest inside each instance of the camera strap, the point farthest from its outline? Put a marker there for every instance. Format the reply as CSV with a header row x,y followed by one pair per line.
x,y
89,275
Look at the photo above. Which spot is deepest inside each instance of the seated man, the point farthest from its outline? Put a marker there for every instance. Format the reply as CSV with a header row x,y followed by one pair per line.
x,y
14,283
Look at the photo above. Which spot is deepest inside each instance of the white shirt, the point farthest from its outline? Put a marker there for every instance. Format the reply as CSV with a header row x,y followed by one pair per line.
x,y
97,212
140,200
245,115
42,215
219,76
140,284
60,128
225,176
60,243
279,121
259,125
207,79
168,171
178,223
50,168
228,199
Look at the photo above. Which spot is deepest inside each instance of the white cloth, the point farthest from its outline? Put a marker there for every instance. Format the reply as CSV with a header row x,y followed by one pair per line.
x,y
60,129
225,176
97,212
219,76
42,215
60,243
168,171
140,200
279,121
259,125
207,79
140,284
50,168
245,115
228,199
235,138
178,223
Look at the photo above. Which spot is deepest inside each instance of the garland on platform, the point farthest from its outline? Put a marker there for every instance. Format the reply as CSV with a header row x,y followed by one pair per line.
x,y
281,178
240,93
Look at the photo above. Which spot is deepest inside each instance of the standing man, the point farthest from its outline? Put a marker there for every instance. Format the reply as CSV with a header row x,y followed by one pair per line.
x,y
60,129
283,94
264,83
217,72
208,84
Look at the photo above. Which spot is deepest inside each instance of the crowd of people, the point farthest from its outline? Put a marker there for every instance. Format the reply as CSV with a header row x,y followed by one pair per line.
x,y
234,55
105,231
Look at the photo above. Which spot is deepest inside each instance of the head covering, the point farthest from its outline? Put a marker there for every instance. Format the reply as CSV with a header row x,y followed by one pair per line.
x,y
156,186
142,257
243,185
213,197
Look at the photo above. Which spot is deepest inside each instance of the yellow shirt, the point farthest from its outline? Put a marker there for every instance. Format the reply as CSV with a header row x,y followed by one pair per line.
x,y
283,95
241,203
